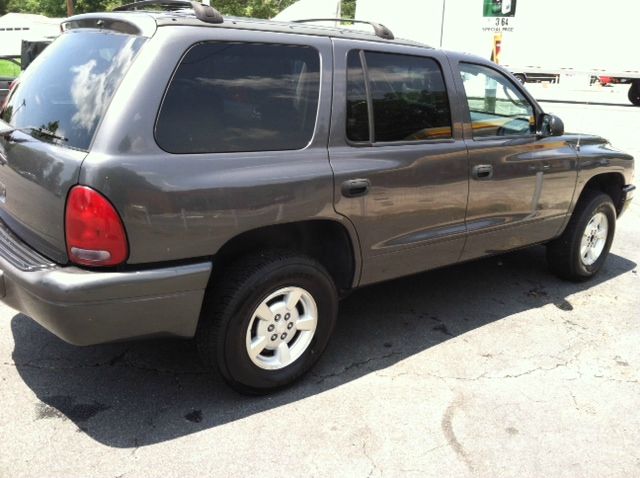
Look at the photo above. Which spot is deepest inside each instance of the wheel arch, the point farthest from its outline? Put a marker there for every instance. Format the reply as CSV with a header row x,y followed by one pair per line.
x,y
325,240
611,184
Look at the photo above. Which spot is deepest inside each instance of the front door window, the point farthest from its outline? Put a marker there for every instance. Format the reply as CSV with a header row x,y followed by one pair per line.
x,y
496,106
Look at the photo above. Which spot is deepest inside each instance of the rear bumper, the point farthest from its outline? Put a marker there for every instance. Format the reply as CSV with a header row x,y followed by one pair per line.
x,y
85,307
627,196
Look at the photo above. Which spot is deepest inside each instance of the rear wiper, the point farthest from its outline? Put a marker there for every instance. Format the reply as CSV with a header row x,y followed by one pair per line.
x,y
43,132
6,130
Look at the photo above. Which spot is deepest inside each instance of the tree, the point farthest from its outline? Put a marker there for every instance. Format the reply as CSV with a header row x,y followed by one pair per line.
x,y
348,8
50,8
251,8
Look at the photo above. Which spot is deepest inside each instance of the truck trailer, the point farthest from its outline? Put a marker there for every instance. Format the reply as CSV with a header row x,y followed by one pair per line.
x,y
539,39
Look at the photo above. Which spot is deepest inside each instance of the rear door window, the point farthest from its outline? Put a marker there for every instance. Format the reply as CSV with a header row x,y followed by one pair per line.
x,y
67,89
408,98
232,97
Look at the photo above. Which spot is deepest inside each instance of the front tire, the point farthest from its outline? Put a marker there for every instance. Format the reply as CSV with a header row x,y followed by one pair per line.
x,y
267,321
579,253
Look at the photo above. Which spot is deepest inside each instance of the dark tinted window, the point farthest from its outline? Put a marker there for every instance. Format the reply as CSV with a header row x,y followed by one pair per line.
x,y
67,89
229,97
357,108
496,106
409,98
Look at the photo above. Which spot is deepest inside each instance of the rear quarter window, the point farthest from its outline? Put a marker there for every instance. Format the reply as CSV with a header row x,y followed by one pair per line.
x,y
233,97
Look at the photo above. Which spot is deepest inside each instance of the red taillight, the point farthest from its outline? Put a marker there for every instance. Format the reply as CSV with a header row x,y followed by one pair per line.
x,y
94,232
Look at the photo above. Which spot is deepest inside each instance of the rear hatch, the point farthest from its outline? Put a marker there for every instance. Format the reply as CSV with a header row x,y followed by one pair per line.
x,y
54,110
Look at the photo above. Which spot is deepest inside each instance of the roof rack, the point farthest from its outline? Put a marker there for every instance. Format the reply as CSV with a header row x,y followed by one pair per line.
x,y
205,13
378,28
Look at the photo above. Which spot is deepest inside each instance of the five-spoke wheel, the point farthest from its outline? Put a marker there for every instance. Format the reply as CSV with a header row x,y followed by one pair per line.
x,y
281,328
594,239
581,250
267,320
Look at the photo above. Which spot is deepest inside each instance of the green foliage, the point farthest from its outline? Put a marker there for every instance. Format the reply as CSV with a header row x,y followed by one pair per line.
x,y
348,9
50,8
9,69
242,8
251,8
58,8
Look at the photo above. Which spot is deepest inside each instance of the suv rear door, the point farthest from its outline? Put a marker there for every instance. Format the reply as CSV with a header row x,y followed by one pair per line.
x,y
399,160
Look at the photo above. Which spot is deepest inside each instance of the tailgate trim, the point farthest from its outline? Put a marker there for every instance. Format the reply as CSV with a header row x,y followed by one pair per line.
x,y
19,254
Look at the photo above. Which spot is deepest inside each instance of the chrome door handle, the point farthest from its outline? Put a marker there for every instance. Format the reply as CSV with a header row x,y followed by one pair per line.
x,y
355,187
482,171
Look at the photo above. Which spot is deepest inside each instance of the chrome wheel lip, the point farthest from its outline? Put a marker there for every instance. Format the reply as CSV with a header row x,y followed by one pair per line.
x,y
594,239
281,328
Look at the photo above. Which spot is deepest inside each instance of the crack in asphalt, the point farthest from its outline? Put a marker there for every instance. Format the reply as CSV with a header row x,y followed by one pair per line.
x,y
352,365
447,428
573,397
485,375
374,466
617,380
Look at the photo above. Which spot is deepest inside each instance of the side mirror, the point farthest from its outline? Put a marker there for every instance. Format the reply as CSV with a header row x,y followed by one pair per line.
x,y
550,125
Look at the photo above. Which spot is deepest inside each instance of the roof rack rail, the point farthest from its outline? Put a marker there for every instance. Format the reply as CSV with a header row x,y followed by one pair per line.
x,y
205,13
378,28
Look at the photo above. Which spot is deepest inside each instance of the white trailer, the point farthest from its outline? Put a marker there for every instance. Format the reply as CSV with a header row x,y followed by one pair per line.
x,y
545,38
15,27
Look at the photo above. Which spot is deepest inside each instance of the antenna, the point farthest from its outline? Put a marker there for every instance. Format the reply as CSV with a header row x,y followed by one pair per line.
x,y
580,136
444,5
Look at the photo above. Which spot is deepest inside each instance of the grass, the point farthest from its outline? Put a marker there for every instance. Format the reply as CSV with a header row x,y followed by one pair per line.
x,y
8,69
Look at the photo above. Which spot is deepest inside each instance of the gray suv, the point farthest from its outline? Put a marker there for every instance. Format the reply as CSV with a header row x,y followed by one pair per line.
x,y
176,173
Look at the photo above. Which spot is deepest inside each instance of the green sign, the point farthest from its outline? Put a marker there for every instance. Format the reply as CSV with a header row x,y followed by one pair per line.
x,y
499,8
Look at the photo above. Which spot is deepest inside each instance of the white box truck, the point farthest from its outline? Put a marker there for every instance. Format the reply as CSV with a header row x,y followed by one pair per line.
x,y
541,39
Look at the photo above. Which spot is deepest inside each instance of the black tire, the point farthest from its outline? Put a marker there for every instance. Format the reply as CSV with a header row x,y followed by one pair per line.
x,y
229,308
521,78
634,93
563,253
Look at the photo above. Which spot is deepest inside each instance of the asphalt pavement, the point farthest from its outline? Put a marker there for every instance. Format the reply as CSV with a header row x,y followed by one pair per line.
x,y
489,368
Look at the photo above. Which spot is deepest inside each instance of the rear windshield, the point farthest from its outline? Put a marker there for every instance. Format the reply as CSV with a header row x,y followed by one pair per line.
x,y
68,88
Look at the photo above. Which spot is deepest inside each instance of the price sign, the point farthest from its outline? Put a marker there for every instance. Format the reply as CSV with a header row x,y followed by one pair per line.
x,y
499,8
499,15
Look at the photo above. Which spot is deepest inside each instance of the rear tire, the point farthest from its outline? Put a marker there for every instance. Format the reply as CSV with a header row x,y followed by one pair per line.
x,y
634,93
267,321
579,253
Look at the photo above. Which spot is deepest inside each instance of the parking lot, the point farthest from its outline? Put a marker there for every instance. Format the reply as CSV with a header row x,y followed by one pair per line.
x,y
489,368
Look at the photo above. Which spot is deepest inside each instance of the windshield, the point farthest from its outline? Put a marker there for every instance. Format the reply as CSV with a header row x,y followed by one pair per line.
x,y
68,88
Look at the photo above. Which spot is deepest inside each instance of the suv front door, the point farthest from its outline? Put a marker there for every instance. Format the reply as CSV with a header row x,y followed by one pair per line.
x,y
400,162
521,185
